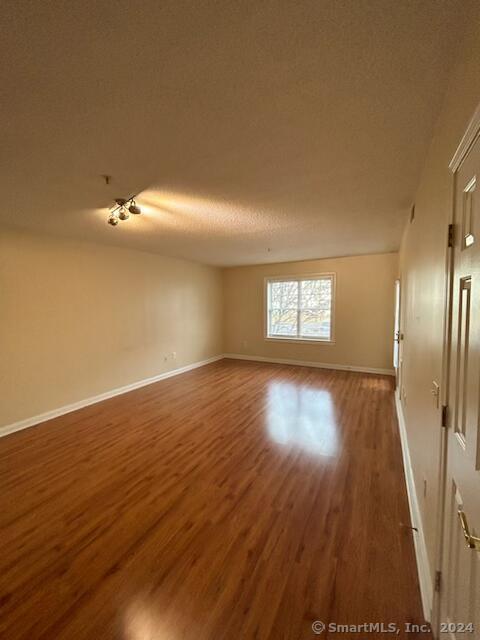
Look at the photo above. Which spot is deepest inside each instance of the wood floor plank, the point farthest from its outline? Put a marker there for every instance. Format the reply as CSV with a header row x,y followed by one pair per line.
x,y
239,500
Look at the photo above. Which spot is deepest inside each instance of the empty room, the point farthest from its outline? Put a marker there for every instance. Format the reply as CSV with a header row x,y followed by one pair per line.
x,y
240,320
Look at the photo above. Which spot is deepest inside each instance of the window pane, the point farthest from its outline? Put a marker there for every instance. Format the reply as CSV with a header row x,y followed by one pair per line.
x,y
315,323
300,308
316,294
283,322
283,302
283,295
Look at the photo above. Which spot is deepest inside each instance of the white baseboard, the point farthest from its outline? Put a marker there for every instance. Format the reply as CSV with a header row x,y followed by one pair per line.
x,y
303,363
423,566
55,413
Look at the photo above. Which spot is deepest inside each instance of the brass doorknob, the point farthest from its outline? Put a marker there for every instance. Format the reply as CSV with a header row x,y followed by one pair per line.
x,y
472,541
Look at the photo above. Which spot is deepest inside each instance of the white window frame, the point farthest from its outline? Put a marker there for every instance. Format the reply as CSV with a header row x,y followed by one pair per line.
x,y
299,278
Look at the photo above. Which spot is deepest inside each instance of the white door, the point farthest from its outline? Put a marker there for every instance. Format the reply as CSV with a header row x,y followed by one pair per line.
x,y
460,584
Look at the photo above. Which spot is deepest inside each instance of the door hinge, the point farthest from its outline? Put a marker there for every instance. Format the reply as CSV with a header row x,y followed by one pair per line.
x,y
438,580
450,235
444,415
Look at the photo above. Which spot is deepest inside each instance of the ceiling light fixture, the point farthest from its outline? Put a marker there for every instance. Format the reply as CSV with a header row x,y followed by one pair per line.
x,y
123,214
134,208
122,209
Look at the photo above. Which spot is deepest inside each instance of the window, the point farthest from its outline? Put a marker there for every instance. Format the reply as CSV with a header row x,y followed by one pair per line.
x,y
300,308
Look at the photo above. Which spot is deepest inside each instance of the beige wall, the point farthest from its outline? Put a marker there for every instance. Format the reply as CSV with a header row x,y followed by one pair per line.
x,y
363,311
79,319
422,265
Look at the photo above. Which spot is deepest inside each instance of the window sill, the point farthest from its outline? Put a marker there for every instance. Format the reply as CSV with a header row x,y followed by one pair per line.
x,y
307,340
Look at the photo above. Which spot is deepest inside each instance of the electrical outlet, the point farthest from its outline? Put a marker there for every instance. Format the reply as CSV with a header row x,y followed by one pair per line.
x,y
244,344
174,355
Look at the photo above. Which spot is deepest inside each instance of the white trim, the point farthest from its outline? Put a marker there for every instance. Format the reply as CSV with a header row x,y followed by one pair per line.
x,y
55,413
466,142
423,566
297,340
318,365
298,278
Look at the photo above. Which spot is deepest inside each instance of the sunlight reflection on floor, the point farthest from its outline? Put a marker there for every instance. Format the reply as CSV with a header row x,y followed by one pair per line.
x,y
142,622
302,417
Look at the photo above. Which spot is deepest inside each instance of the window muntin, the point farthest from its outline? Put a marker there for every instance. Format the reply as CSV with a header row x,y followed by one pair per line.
x,y
300,308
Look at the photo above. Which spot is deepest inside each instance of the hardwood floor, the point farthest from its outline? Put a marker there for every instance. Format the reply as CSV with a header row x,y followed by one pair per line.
x,y
236,501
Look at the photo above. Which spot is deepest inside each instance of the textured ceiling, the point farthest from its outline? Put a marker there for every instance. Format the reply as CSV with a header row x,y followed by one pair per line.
x,y
257,131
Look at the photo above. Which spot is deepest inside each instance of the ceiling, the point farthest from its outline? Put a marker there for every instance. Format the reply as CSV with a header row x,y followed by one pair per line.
x,y
256,131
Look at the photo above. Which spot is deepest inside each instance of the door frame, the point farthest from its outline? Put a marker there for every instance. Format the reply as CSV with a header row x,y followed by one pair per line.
x,y
397,332
472,133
